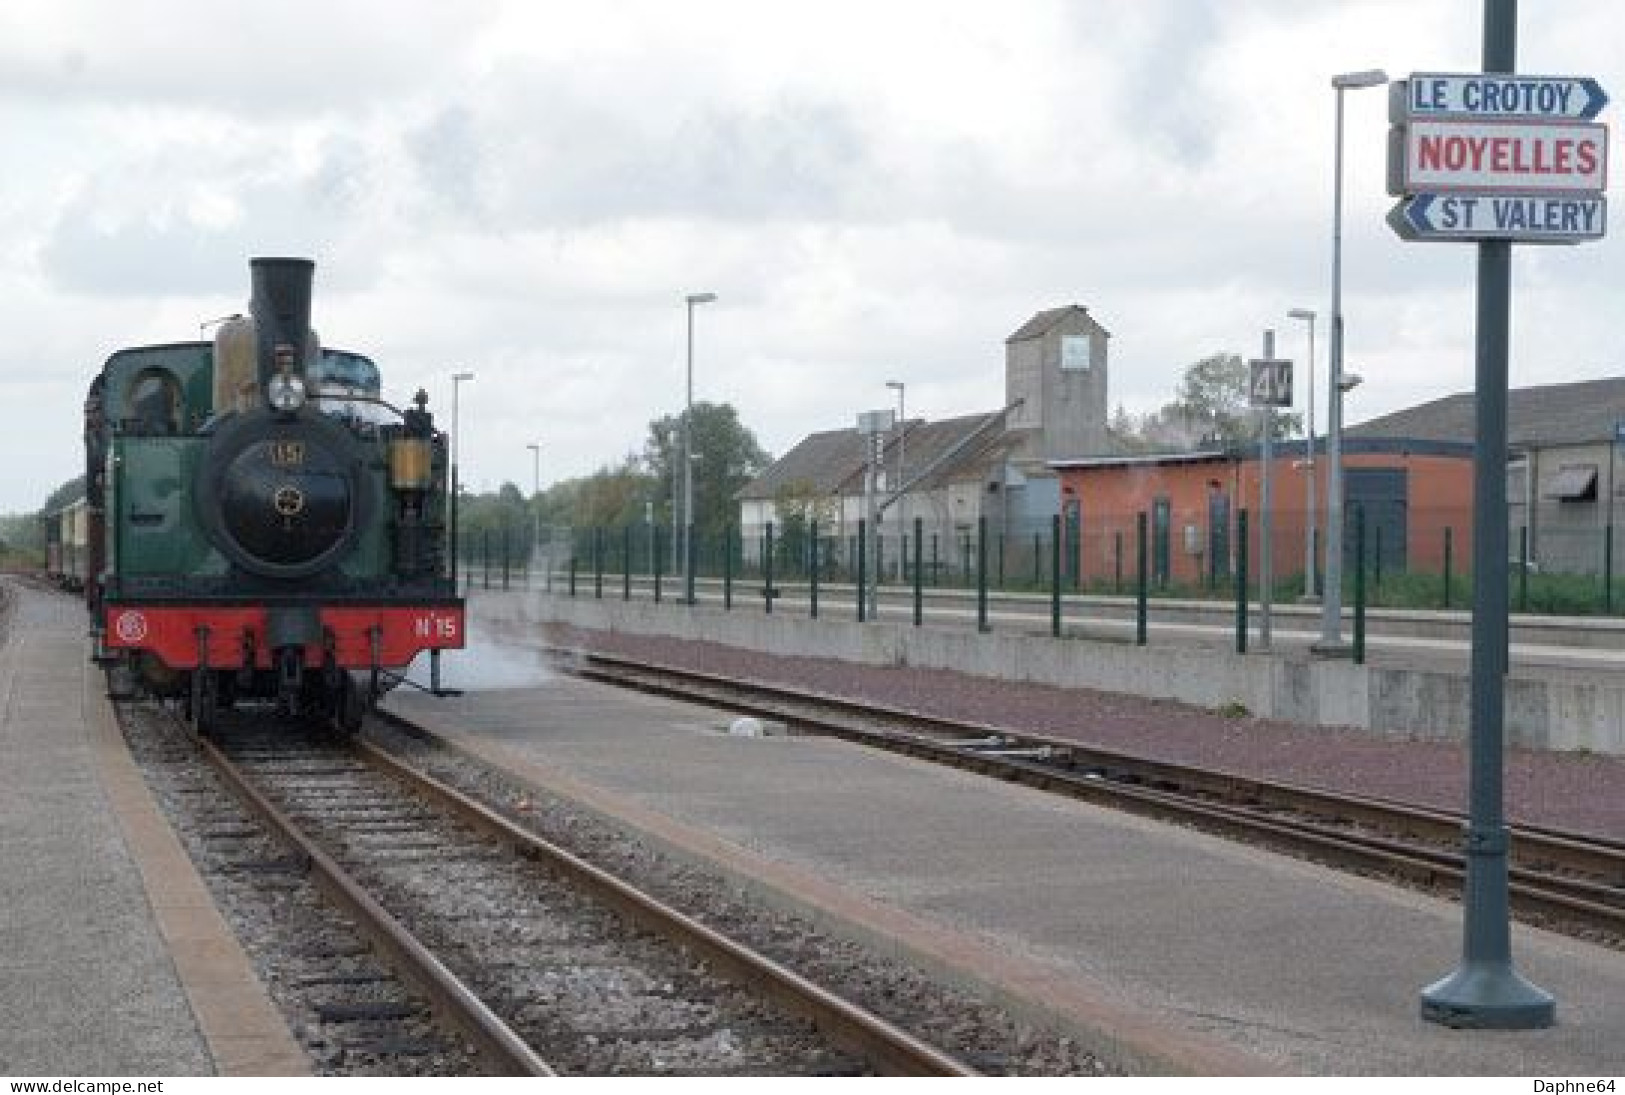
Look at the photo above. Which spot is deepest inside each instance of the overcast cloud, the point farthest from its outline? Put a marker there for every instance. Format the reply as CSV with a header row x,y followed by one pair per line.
x,y
874,191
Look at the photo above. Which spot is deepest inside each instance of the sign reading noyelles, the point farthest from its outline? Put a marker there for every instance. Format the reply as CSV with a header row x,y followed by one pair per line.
x,y
1498,156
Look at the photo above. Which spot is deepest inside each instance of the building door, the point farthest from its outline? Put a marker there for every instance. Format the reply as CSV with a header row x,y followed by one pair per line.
x,y
1385,494
1161,521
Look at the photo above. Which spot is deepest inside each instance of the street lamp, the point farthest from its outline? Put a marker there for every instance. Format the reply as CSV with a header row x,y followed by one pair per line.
x,y
535,448
897,489
1331,606
451,501
1309,462
688,444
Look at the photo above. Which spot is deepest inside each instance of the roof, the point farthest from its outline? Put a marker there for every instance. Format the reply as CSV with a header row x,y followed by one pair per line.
x,y
833,461
1049,317
1141,459
1586,410
1286,449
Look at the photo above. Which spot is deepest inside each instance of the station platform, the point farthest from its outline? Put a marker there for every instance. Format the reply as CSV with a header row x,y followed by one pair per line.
x,y
1167,950
113,958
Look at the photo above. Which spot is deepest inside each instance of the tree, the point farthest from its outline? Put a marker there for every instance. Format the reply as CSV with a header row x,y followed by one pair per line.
x,y
799,504
1211,406
727,457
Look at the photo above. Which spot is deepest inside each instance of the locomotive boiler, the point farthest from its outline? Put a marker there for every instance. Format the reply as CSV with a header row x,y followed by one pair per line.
x,y
264,526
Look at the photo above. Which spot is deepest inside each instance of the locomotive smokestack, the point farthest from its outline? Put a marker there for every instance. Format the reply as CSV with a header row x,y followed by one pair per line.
x,y
280,305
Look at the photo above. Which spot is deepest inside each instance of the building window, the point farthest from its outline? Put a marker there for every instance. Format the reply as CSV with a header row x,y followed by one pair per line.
x,y
1574,483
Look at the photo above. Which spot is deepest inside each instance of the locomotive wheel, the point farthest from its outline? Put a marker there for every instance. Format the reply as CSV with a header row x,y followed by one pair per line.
x,y
349,707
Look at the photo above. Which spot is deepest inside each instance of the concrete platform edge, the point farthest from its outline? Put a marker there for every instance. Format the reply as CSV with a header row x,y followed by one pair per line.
x,y
245,1033
1543,711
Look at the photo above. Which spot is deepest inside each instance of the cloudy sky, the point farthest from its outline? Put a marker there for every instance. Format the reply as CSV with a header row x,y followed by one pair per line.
x,y
874,190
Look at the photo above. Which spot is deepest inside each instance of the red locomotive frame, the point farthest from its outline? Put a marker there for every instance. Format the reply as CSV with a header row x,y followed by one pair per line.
x,y
226,637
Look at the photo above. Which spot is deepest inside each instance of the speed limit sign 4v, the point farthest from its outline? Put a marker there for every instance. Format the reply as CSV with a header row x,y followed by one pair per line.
x,y
1271,382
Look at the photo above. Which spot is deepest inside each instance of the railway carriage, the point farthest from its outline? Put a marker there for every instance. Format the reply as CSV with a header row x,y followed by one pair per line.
x,y
263,525
67,533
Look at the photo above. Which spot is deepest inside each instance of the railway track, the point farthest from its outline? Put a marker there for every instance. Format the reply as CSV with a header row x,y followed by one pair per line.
x,y
545,963
1570,881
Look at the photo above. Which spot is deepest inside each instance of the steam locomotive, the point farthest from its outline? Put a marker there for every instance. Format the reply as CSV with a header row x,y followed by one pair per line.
x,y
263,526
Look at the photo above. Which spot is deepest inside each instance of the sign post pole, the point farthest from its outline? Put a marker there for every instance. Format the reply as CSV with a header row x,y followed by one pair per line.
x,y
1485,991
1271,387
1266,525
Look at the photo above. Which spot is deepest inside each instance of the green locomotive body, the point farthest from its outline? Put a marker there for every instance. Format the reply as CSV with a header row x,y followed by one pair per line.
x,y
263,524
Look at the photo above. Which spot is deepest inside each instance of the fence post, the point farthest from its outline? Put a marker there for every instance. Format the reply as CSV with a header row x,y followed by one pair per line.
x,y
727,568
1376,559
1038,555
964,560
1448,551
936,563
1055,577
1359,584
919,590
863,570
504,556
767,572
1117,561
812,581
981,572
657,559
597,563
1523,568
1141,580
572,567
485,545
1241,581
626,563
1608,570
688,570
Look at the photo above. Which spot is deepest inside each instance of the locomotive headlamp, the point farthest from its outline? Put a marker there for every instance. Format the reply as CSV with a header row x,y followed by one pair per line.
x,y
286,393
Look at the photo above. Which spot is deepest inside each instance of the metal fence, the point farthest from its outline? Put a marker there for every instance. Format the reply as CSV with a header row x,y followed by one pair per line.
x,y
1393,557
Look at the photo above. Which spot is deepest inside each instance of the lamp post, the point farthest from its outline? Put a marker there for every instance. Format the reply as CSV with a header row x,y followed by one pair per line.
x,y
451,499
1331,614
535,448
902,504
688,445
1309,463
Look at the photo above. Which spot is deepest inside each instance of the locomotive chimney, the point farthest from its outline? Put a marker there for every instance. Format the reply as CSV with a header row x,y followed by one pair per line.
x,y
280,305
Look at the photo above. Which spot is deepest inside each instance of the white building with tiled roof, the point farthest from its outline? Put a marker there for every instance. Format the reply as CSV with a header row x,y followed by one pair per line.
x,y
951,472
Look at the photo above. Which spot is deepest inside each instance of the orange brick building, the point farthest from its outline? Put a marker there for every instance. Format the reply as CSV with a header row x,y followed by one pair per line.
x,y
1411,492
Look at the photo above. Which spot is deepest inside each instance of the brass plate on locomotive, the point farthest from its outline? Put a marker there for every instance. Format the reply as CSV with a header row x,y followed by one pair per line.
x,y
286,454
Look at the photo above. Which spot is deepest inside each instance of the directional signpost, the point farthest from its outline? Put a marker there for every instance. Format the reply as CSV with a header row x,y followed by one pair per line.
x,y
1523,218
1486,156
1493,158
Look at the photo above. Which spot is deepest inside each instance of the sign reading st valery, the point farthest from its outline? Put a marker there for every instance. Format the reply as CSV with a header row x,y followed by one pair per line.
x,y
1498,156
